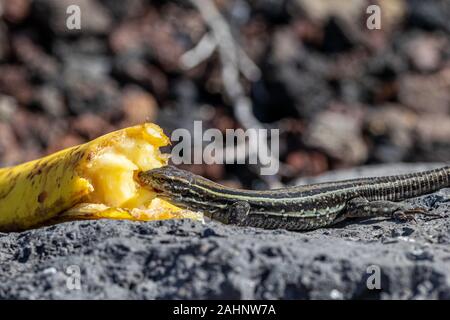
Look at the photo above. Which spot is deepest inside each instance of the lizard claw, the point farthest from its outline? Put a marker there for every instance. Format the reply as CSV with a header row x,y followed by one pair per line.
x,y
404,216
408,214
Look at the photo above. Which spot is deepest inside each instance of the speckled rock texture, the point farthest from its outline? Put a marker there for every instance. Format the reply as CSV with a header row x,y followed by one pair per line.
x,y
189,260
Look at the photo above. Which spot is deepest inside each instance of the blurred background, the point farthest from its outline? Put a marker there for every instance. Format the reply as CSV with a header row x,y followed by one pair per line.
x,y
341,94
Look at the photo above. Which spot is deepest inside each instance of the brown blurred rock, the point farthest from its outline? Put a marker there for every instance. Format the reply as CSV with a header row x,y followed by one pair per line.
x,y
392,13
223,121
286,46
14,82
308,31
35,132
34,58
294,80
66,141
145,74
157,78
4,45
339,135
138,106
41,128
322,10
16,11
126,37
425,51
393,125
352,11
88,86
125,9
8,106
161,34
434,129
90,125
50,100
306,163
433,133
426,93
385,91
215,172
349,18
155,28
9,147
153,33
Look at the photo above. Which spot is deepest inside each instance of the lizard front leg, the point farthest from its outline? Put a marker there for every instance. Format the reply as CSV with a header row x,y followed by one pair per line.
x,y
361,207
235,214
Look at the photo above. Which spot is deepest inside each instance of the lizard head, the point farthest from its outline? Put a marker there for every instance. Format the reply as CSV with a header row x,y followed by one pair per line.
x,y
179,187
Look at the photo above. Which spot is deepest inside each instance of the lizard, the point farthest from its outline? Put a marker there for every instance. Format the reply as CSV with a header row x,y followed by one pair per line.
x,y
303,207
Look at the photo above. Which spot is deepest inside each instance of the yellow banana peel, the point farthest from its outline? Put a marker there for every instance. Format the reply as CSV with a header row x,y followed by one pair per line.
x,y
90,181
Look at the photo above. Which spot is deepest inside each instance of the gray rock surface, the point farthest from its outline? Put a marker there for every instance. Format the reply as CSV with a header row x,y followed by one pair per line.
x,y
188,260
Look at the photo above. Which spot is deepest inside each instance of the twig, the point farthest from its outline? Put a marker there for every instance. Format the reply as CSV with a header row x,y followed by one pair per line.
x,y
233,60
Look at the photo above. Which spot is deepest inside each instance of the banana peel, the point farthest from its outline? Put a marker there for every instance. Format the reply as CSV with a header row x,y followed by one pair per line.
x,y
91,181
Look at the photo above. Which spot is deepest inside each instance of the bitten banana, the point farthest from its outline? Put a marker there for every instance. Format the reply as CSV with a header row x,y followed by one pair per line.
x,y
90,181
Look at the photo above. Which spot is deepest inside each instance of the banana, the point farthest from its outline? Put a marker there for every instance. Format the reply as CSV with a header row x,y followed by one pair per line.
x,y
90,181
